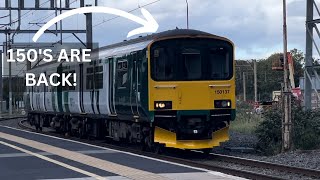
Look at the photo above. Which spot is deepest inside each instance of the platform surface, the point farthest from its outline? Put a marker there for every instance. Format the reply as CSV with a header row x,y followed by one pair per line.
x,y
26,155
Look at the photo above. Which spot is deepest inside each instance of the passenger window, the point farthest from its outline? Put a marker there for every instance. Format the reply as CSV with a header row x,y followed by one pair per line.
x,y
71,88
122,74
89,78
98,77
94,78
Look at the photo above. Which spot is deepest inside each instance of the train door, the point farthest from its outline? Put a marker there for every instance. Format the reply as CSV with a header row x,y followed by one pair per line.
x,y
58,93
122,94
99,98
134,85
32,100
44,95
80,88
49,90
88,93
112,66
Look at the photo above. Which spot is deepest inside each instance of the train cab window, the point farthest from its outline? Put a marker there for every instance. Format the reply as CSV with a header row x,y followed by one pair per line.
x,y
163,64
219,63
189,59
192,65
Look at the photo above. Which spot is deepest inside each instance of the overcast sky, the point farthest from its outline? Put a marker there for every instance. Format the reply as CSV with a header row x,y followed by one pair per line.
x,y
255,26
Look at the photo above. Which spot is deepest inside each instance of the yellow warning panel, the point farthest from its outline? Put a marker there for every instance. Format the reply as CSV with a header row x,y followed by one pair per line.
x,y
169,138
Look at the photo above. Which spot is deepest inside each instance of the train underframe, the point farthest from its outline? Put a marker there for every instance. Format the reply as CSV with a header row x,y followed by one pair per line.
x,y
173,129
95,127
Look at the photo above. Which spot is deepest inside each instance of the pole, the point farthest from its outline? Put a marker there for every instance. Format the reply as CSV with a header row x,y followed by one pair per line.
x,y
255,81
61,22
187,14
244,87
1,90
10,78
89,29
309,45
286,123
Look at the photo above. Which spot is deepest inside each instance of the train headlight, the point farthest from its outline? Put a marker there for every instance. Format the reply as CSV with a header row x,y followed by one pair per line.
x,y
222,103
158,105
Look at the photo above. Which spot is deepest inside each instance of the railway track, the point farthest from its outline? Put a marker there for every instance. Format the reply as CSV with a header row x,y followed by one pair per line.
x,y
213,157
9,118
267,165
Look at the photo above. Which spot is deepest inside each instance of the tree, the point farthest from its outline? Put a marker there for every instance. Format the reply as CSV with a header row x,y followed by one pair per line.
x,y
298,59
268,80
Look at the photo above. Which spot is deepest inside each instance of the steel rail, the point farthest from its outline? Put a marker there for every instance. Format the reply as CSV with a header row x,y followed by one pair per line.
x,y
226,170
268,165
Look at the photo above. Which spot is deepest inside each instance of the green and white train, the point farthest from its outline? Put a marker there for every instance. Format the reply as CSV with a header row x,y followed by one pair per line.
x,y
171,89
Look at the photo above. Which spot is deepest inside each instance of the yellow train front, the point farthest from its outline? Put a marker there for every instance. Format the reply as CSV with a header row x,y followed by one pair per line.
x,y
191,90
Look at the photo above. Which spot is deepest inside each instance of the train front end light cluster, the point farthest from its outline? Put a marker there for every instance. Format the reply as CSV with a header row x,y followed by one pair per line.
x,y
222,103
162,105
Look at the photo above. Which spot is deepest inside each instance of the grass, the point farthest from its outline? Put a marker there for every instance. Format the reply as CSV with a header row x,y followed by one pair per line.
x,y
245,122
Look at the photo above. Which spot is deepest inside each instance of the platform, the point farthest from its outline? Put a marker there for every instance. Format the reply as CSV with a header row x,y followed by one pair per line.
x,y
26,155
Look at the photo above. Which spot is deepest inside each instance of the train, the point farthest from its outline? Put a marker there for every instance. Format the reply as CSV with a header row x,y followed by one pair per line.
x,y
173,89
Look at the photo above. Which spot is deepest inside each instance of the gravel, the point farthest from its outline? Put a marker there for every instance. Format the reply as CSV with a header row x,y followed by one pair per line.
x,y
11,122
303,159
283,175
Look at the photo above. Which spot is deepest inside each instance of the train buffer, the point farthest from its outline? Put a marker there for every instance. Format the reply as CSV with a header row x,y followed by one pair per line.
x,y
26,155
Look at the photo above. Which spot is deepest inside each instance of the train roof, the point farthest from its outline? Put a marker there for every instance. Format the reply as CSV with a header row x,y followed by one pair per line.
x,y
152,37
138,43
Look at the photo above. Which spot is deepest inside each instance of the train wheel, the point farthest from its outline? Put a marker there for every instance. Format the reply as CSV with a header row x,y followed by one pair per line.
x,y
147,143
37,123
158,148
82,130
144,144
206,151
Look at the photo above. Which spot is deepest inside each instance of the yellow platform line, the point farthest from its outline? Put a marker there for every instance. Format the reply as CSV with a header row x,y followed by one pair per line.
x,y
121,170
54,161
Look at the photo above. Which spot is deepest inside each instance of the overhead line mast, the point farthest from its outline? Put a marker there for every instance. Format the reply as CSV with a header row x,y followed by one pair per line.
x,y
9,33
286,122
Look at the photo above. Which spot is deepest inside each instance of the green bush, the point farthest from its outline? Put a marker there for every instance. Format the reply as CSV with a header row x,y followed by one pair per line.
x,y
306,130
269,132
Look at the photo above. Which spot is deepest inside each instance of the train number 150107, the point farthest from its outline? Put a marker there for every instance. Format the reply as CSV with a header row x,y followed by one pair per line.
x,y
222,91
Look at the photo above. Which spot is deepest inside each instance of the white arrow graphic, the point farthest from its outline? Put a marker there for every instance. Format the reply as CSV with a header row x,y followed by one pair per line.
x,y
149,25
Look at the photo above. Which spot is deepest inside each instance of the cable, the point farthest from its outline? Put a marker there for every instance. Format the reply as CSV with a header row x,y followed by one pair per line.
x,y
42,18
46,17
4,16
33,10
104,21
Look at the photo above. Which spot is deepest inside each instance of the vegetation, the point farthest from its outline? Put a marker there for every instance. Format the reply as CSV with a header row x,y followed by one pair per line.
x,y
268,80
306,130
246,121
306,124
